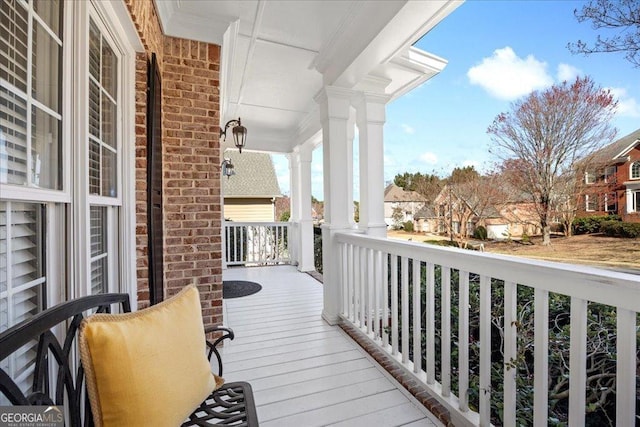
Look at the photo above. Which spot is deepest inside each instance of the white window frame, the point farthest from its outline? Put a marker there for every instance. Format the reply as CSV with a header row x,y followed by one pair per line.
x,y
631,166
55,201
606,202
586,203
114,22
589,177
610,171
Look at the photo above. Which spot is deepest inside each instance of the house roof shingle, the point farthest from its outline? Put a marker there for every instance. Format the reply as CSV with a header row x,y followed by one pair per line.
x,y
611,152
393,193
255,176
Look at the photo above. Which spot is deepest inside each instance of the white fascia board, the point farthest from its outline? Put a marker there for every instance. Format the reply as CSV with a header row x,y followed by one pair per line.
x,y
627,150
423,65
404,29
421,61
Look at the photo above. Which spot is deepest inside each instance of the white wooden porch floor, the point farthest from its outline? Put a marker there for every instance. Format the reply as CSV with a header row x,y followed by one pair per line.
x,y
304,372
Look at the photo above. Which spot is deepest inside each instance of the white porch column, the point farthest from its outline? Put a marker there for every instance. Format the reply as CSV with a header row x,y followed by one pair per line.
x,y
370,117
305,221
294,208
334,105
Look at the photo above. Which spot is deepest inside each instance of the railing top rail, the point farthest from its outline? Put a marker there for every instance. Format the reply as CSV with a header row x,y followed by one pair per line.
x,y
256,224
593,284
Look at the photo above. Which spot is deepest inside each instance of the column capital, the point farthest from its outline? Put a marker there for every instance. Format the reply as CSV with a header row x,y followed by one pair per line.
x,y
370,107
304,152
335,102
362,98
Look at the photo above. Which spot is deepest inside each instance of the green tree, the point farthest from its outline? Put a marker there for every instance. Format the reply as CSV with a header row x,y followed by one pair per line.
x,y
429,185
284,216
463,175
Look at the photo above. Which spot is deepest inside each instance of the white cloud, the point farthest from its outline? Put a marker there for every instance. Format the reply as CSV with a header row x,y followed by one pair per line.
x,y
408,129
568,72
506,76
627,106
429,158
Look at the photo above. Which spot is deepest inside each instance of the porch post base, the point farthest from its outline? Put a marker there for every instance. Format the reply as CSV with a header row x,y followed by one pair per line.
x,y
331,319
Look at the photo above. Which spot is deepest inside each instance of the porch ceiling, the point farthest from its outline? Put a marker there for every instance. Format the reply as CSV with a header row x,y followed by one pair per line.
x,y
276,55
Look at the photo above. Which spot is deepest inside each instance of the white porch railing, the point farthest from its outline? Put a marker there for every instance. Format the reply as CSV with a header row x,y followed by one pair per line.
x,y
257,243
451,335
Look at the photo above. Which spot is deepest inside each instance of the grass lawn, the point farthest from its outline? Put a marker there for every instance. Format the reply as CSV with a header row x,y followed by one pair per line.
x,y
590,249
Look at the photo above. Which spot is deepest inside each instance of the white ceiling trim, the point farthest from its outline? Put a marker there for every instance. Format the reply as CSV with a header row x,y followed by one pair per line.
x,y
228,52
252,47
277,43
334,43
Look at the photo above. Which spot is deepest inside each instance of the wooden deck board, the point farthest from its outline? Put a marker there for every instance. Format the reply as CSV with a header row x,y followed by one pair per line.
x,y
305,372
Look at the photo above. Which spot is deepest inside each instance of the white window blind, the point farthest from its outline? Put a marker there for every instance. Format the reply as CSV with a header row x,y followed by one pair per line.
x,y
22,277
99,250
103,85
30,95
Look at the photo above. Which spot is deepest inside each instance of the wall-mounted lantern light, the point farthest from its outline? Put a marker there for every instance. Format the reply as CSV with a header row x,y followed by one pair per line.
x,y
227,168
239,133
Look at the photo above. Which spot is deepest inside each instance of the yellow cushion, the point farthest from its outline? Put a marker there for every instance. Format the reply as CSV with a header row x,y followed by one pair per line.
x,y
147,368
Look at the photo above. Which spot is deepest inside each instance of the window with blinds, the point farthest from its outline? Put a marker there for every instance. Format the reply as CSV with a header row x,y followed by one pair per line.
x,y
103,85
22,277
99,252
30,157
30,93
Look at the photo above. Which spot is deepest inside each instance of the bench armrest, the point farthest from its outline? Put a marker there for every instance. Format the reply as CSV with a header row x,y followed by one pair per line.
x,y
212,345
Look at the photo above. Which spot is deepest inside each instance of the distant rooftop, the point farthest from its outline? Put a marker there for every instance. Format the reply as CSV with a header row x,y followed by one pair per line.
x,y
393,193
255,176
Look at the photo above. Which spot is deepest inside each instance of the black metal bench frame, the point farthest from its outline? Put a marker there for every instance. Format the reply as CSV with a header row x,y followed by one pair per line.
x,y
232,404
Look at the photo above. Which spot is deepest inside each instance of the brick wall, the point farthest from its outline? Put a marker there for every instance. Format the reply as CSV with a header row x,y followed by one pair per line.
x,y
191,162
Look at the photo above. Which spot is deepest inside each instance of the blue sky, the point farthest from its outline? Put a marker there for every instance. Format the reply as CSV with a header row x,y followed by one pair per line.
x,y
498,51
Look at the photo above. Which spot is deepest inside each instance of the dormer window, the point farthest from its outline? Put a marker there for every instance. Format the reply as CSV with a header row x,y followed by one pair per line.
x,y
635,170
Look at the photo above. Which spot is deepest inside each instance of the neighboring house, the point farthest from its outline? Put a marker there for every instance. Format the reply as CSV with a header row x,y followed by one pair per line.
x,y
250,194
503,218
426,220
612,182
408,201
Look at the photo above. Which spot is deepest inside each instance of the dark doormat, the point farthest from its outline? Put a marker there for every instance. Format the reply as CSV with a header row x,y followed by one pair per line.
x,y
239,288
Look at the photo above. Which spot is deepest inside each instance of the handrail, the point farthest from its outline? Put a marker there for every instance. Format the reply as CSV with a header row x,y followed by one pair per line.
x,y
257,243
379,283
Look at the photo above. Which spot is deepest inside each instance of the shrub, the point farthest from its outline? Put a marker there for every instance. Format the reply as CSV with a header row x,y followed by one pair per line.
x,y
526,238
284,216
480,233
620,229
591,224
317,249
408,226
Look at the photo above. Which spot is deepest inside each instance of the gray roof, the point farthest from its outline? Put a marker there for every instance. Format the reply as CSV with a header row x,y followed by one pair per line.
x,y
610,153
425,212
255,176
393,193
